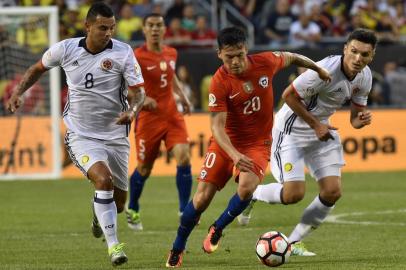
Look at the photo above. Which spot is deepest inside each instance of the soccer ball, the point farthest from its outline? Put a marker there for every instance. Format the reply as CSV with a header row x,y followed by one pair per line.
x,y
273,249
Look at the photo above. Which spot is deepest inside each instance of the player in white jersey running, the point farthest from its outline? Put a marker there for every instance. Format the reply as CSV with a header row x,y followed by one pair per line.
x,y
98,114
302,135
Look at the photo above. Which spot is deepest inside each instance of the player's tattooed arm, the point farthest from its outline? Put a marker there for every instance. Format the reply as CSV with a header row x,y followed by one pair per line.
x,y
32,75
303,61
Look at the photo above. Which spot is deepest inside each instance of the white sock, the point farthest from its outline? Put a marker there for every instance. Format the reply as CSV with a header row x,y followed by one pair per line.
x,y
106,212
312,217
270,193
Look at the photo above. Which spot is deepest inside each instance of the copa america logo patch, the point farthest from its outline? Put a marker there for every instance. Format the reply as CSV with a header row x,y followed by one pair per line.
x,y
106,64
263,81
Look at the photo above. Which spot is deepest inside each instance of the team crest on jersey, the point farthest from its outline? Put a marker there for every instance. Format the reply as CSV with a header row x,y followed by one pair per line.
x,y
248,87
163,66
263,81
355,91
212,100
106,64
172,64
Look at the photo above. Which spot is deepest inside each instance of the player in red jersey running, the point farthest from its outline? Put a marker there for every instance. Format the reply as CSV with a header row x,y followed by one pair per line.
x,y
159,119
241,105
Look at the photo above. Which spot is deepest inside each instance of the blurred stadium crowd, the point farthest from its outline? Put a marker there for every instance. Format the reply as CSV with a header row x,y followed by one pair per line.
x,y
287,24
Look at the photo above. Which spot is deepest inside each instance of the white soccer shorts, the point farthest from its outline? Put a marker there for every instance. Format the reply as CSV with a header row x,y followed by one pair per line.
x,y
290,154
85,152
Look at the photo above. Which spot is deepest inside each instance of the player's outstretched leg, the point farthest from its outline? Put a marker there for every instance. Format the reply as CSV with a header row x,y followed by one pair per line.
x,y
137,182
270,193
106,213
234,208
188,221
311,219
184,185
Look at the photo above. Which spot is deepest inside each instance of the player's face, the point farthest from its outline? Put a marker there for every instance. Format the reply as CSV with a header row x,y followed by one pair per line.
x,y
234,58
154,29
100,31
357,55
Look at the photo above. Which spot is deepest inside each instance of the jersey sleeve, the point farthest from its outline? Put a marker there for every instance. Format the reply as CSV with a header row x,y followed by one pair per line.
x,y
217,95
308,84
132,70
54,55
276,59
360,95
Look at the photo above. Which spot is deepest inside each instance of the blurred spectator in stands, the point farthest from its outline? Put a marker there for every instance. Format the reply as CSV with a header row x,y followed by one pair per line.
x,y
188,19
33,34
244,7
33,99
386,29
400,17
341,25
72,23
322,18
356,22
395,77
369,14
128,23
278,25
174,11
376,95
8,3
188,88
36,2
143,8
204,92
304,33
84,6
176,36
204,35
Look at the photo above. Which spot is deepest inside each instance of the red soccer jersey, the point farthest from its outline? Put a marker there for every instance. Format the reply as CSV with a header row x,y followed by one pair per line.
x,y
248,99
158,70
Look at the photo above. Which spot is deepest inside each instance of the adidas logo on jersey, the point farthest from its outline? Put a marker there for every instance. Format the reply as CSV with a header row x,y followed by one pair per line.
x,y
75,63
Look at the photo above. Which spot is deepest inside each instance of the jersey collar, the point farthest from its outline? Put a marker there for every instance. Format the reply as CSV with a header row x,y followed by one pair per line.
x,y
82,43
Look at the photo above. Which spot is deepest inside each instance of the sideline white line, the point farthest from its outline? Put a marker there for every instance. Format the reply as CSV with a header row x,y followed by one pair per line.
x,y
340,218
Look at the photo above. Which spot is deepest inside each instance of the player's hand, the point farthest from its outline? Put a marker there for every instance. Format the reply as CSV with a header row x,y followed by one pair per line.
x,y
14,102
150,104
365,117
125,118
186,105
323,132
243,163
324,74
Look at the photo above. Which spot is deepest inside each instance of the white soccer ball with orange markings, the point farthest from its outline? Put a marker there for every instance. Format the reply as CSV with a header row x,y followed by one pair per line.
x,y
273,249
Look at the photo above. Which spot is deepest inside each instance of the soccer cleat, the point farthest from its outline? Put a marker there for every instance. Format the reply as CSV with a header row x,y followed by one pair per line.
x,y
299,249
134,220
117,254
212,240
174,259
245,216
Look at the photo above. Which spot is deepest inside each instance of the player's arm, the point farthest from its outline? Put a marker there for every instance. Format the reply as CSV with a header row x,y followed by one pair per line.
x,y
360,116
293,100
32,75
303,61
218,123
135,97
178,89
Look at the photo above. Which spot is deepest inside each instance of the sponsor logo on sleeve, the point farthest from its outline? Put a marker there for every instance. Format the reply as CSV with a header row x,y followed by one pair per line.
x,y
212,100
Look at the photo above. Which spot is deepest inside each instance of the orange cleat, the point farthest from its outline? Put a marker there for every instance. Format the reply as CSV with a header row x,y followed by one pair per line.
x,y
212,240
174,259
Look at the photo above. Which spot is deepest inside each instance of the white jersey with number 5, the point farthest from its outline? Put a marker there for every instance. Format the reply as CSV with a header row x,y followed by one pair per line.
x,y
322,99
97,85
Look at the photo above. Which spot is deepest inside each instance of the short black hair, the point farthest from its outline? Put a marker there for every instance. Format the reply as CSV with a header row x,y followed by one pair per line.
x,y
99,8
363,35
149,15
231,36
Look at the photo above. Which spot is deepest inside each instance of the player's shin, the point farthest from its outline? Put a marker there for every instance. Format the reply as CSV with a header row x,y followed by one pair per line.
x,y
184,185
312,217
234,208
106,212
270,193
188,221
136,186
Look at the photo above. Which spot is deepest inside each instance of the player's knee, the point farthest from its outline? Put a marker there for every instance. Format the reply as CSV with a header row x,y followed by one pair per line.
x,y
292,197
245,192
104,182
184,160
144,171
331,195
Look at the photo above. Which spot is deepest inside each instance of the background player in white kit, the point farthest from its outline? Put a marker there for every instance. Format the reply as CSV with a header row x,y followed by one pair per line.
x,y
98,113
303,136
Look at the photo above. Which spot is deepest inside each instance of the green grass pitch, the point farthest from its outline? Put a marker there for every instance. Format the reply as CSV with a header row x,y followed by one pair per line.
x,y
46,225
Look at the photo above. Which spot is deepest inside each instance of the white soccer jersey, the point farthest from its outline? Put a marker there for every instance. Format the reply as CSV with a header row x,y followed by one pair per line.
x,y
322,99
97,85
